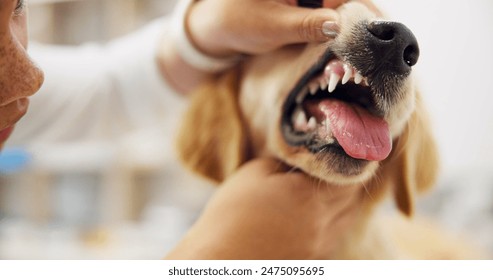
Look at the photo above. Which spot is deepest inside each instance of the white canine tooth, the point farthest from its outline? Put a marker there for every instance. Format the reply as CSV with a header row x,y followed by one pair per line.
x,y
323,84
300,122
312,123
365,81
348,72
334,80
328,71
313,88
301,96
358,78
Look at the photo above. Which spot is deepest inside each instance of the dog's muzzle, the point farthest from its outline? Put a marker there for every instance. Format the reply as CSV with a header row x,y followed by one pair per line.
x,y
342,100
393,47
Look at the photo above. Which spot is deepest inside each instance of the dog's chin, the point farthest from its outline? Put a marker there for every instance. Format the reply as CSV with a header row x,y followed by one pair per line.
x,y
332,165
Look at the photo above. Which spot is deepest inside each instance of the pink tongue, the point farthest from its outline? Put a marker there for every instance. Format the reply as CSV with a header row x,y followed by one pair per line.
x,y
360,134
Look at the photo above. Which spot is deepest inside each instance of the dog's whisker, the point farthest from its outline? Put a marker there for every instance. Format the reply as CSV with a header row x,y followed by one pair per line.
x,y
365,187
292,170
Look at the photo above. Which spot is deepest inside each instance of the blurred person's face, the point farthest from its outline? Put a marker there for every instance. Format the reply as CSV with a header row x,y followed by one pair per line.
x,y
19,76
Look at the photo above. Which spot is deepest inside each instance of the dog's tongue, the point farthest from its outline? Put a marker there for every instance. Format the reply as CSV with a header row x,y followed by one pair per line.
x,y
361,135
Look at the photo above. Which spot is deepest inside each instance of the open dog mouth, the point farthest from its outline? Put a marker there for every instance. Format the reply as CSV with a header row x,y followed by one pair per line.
x,y
332,108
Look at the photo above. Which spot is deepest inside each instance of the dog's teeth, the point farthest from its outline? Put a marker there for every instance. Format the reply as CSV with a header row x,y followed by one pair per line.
x,y
325,133
365,82
312,123
358,78
334,80
330,140
323,84
328,71
313,88
301,96
348,72
300,122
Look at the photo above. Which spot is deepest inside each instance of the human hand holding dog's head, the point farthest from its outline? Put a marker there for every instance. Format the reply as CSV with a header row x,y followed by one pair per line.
x,y
222,30
266,211
225,27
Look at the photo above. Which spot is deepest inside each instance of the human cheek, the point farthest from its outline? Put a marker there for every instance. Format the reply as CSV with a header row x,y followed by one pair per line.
x,y
10,114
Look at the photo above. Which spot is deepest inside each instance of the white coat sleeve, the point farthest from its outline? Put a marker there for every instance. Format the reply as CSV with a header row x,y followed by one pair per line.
x,y
98,92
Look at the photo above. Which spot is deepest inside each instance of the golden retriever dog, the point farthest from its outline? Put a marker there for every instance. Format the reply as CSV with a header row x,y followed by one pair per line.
x,y
346,112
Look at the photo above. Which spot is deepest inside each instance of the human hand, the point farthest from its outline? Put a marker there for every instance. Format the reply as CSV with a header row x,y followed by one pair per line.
x,y
19,76
225,27
267,212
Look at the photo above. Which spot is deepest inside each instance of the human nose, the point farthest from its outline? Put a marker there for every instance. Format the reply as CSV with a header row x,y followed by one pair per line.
x,y
20,77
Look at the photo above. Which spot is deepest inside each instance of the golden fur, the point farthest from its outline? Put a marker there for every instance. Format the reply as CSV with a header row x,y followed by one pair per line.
x,y
235,117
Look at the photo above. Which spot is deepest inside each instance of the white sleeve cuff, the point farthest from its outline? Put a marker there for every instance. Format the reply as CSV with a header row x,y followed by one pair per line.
x,y
188,52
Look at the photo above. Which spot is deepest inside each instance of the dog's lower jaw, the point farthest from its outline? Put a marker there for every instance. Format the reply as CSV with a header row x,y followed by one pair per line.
x,y
327,168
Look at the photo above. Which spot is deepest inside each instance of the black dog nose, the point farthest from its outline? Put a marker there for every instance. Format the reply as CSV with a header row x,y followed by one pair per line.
x,y
393,45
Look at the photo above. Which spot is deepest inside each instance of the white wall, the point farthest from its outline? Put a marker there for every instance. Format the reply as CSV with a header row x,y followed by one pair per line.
x,y
455,72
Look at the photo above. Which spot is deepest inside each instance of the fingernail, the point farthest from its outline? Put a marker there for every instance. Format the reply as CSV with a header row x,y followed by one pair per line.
x,y
22,103
330,29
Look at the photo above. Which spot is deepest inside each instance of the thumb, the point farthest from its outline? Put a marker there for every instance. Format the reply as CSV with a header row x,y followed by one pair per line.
x,y
301,25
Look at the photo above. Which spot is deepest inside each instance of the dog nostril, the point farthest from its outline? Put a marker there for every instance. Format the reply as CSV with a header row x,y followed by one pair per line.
x,y
382,30
411,55
392,44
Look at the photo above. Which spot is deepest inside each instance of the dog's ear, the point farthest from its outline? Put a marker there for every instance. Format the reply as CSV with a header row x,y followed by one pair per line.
x,y
413,165
212,140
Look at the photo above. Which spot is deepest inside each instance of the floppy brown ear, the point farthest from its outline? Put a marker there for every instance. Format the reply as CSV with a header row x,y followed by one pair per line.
x,y
413,165
212,140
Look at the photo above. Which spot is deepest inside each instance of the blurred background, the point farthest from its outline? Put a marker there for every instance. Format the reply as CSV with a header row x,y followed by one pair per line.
x,y
129,198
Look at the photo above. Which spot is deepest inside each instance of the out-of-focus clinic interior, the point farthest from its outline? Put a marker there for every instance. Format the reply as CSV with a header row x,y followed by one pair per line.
x,y
117,191
108,187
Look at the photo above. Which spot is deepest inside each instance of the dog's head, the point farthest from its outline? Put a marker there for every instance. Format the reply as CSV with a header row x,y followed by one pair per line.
x,y
346,111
